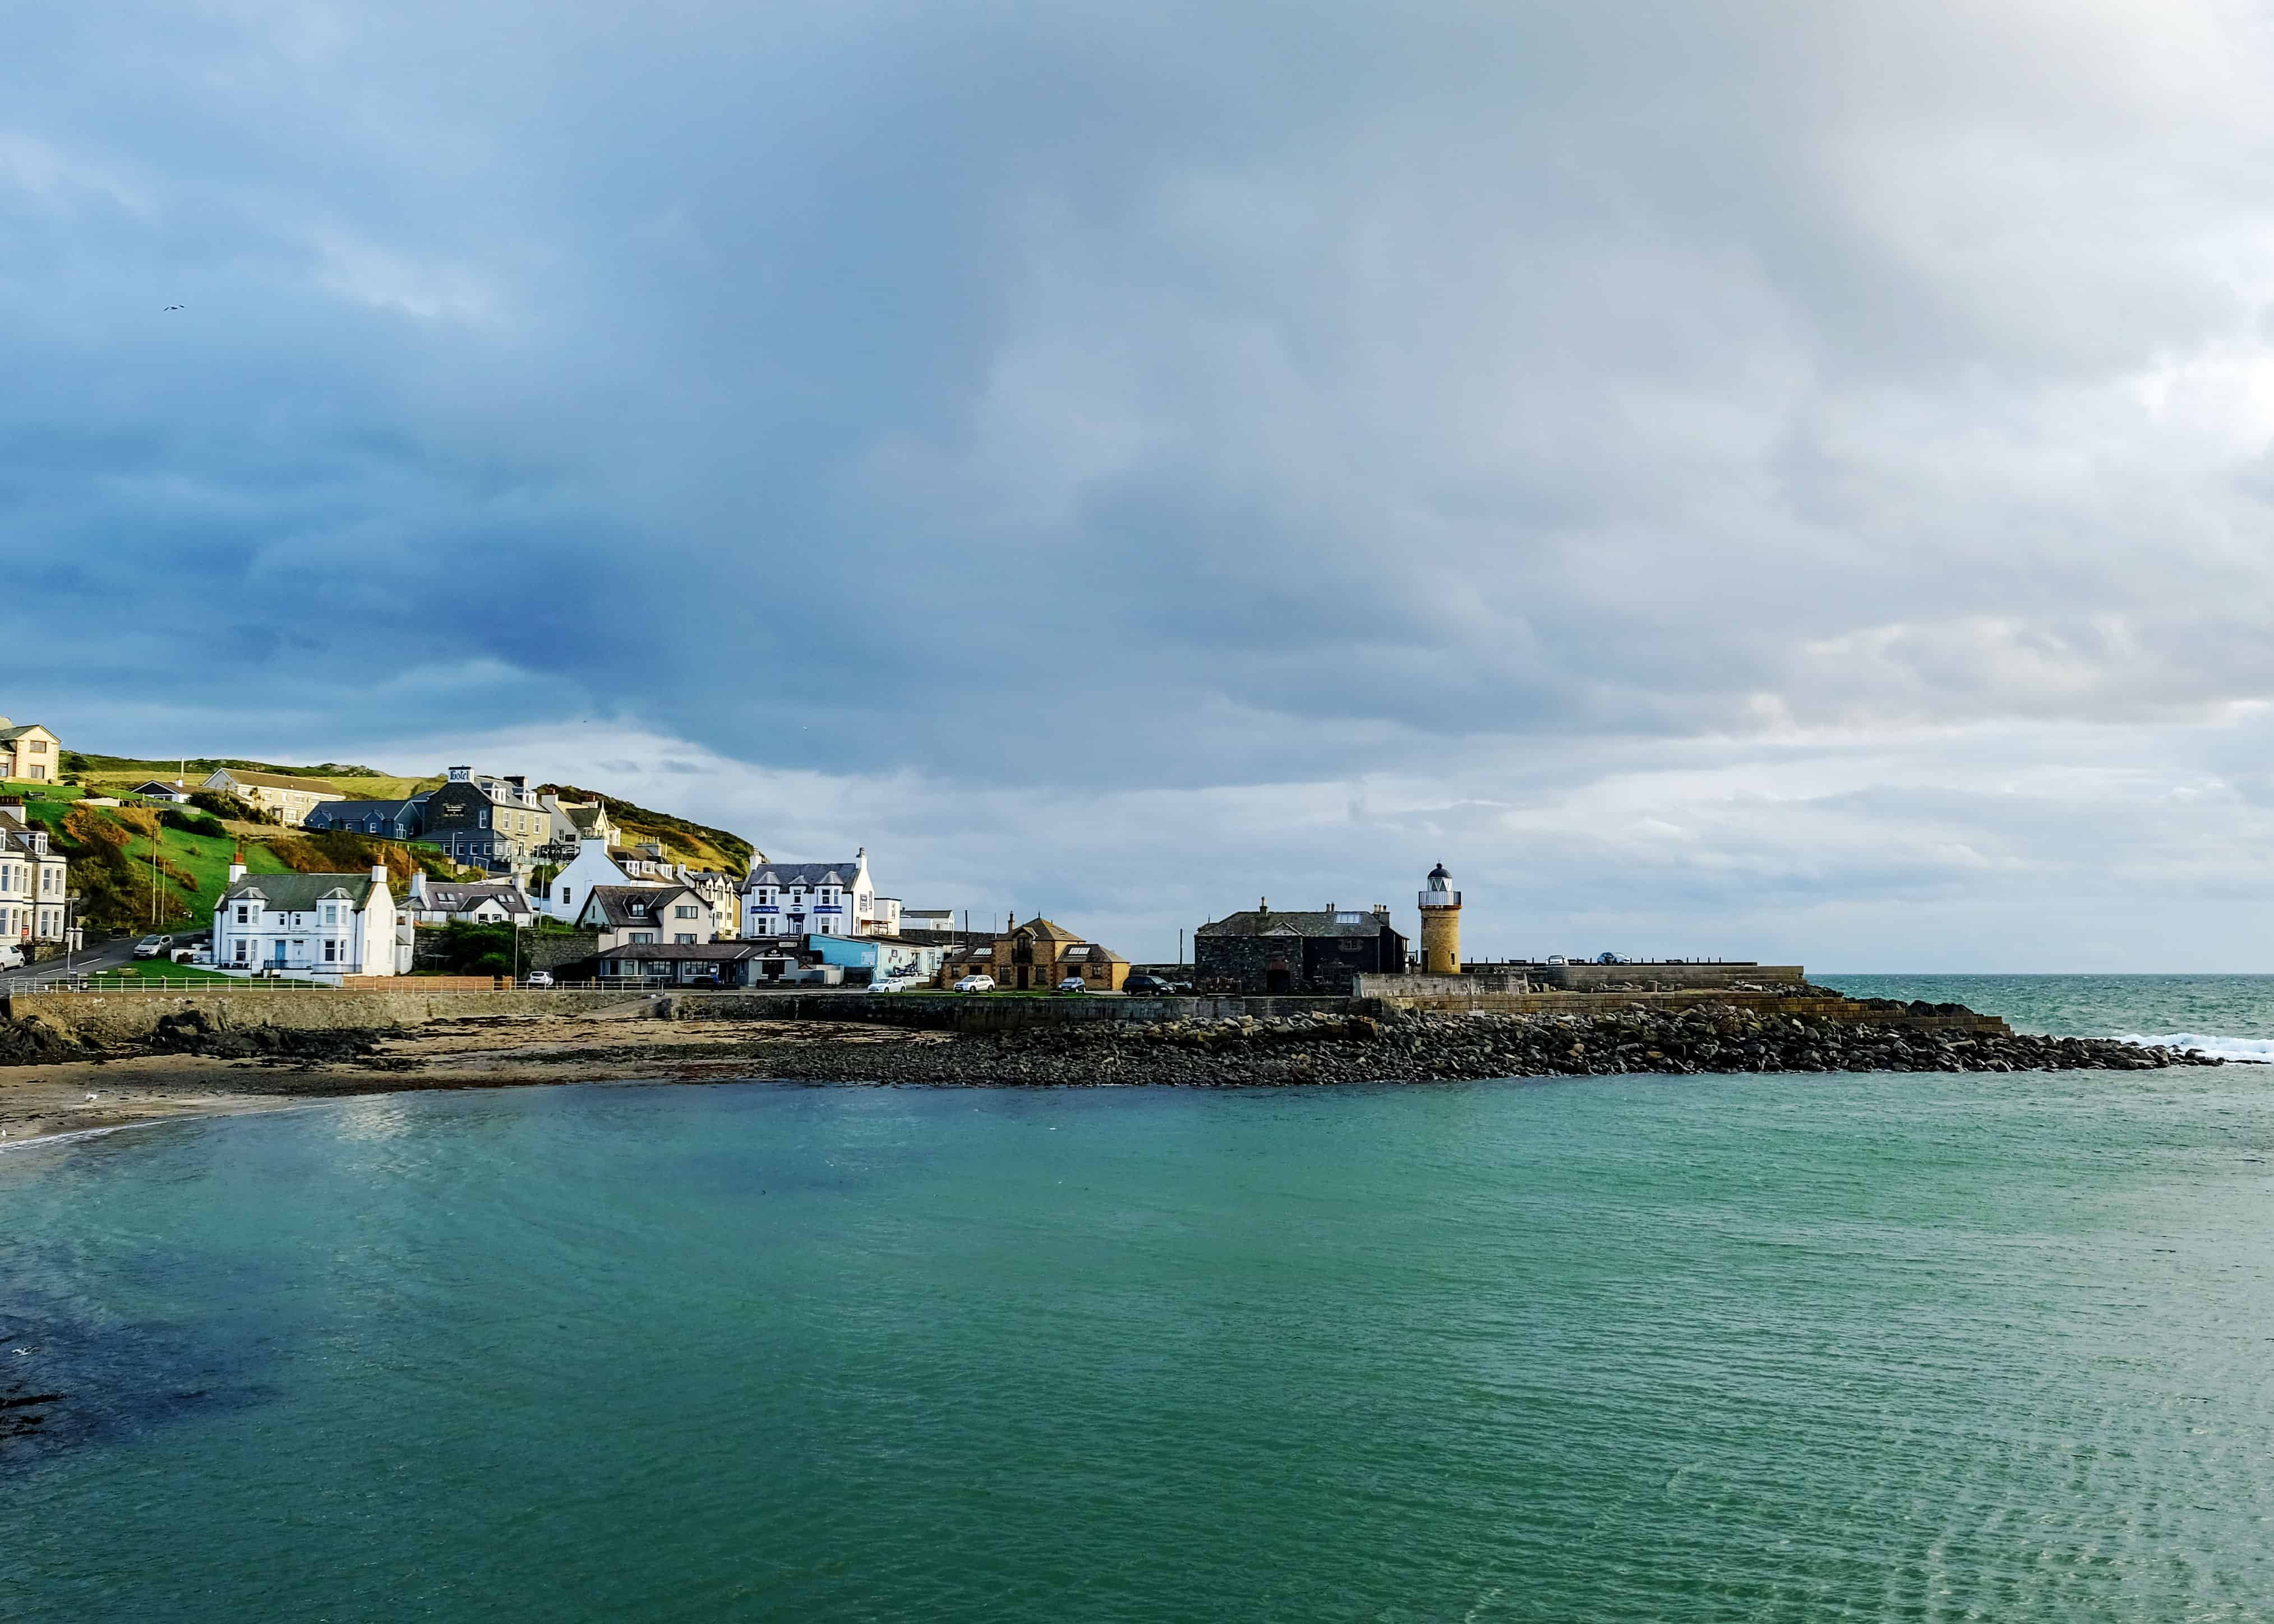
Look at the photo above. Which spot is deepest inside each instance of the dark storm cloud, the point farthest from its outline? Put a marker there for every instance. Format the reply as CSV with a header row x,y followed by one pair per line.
x,y
1102,399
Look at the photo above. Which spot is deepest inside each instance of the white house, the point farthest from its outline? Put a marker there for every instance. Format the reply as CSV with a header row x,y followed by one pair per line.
x,y
35,888
838,899
591,868
647,915
308,924
491,902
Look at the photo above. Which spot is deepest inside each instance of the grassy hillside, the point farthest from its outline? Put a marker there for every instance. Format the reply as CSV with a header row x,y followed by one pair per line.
x,y
132,873
112,849
698,845
104,774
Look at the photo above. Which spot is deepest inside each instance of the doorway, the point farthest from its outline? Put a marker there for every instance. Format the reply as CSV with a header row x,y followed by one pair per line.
x,y
1276,979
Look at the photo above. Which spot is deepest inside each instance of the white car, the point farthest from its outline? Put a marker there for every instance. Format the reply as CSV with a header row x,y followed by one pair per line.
x,y
1074,984
894,983
537,978
975,983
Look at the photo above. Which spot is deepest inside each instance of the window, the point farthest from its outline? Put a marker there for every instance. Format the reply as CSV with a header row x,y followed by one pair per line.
x,y
331,952
639,910
244,947
685,938
684,911
39,747
243,917
642,937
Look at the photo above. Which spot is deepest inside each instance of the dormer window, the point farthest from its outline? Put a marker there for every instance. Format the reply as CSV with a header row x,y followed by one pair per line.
x,y
639,910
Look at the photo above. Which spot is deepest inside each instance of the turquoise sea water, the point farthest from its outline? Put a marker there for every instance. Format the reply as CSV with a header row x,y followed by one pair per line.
x,y
1884,1348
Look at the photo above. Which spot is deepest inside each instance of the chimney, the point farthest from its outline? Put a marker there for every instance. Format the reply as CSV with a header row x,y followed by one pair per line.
x,y
379,873
418,886
237,866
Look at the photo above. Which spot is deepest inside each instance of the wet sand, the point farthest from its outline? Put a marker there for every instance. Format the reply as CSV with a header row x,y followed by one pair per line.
x,y
43,1101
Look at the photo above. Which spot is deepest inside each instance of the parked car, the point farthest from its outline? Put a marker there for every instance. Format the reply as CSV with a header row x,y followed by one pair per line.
x,y
1612,958
711,981
154,947
1557,959
975,983
537,978
1074,984
1147,987
893,983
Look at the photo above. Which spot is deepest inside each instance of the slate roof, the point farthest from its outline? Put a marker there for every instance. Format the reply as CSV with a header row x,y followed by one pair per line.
x,y
461,898
1282,922
361,809
1092,953
7,734
298,893
802,874
616,901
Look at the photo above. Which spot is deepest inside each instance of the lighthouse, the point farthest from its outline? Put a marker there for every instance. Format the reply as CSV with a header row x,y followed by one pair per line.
x,y
1441,925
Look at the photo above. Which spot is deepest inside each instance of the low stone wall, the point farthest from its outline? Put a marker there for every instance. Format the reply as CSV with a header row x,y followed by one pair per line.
x,y
129,1016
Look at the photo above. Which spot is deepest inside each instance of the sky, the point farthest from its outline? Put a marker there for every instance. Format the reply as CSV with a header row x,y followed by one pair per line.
x,y
1781,480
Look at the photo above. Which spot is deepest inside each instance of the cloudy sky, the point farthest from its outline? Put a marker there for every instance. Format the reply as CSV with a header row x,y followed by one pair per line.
x,y
1781,480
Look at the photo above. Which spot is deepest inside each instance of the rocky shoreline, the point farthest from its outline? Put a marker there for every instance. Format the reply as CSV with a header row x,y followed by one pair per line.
x,y
1295,1050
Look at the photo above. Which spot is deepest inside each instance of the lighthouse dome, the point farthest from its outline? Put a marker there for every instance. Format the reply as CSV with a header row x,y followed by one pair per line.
x,y
1440,879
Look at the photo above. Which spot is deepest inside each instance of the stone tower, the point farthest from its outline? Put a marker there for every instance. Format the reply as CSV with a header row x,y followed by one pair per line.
x,y
1441,925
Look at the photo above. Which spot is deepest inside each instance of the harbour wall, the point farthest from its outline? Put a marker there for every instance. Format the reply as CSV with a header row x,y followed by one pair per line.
x,y
129,1016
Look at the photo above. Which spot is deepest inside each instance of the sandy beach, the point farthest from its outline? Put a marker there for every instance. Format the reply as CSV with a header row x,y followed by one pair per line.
x,y
75,1096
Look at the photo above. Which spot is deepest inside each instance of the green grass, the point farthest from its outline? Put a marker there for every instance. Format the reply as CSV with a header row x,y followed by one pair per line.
x,y
206,858
159,970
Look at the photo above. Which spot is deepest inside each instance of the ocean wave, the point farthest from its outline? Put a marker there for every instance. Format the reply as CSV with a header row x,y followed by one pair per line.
x,y
2210,1042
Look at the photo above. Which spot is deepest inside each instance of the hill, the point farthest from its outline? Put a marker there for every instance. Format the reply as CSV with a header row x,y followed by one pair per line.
x,y
698,845
104,774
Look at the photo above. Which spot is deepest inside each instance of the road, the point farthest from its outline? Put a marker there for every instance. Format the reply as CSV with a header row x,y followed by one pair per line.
x,y
109,956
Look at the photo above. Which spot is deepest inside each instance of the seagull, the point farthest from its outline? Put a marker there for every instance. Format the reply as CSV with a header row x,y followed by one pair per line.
x,y
177,307
94,1096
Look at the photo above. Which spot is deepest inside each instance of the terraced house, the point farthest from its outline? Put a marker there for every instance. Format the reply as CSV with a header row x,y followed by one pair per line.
x,y
290,799
29,752
483,821
35,888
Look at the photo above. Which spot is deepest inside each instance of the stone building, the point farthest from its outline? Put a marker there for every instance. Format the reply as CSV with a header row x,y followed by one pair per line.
x,y
291,799
1037,954
1268,951
482,821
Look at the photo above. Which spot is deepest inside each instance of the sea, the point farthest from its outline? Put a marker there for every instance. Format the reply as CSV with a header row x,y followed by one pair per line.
x,y
1855,1347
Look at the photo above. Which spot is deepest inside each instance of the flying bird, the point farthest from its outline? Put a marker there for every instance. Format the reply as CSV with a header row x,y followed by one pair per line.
x,y
177,307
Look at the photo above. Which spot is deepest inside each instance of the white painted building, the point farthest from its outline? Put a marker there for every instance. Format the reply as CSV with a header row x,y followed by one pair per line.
x,y
35,889
314,925
490,902
591,868
795,899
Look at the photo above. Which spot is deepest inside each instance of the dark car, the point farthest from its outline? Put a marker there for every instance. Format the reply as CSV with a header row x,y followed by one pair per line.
x,y
1146,986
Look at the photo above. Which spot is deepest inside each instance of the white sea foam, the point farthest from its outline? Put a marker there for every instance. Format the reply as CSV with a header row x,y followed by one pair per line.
x,y
2210,1042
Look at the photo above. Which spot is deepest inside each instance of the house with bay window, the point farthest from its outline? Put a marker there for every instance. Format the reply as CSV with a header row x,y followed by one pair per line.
x,y
310,925
646,916
833,898
35,889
